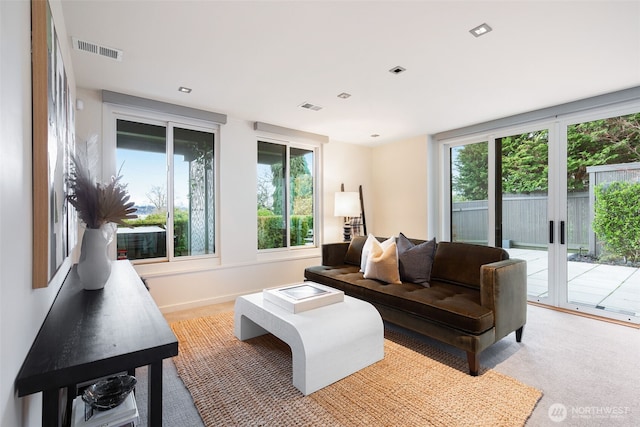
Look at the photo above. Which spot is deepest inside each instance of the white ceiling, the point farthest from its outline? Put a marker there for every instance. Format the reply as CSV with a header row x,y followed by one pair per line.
x,y
260,60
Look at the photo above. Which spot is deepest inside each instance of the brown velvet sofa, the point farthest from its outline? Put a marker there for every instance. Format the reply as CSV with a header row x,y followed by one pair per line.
x,y
476,295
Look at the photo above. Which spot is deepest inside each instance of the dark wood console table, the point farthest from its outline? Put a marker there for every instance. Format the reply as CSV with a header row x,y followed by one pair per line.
x,y
92,334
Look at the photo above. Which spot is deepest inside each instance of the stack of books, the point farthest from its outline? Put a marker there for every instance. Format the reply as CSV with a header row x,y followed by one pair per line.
x,y
303,296
123,415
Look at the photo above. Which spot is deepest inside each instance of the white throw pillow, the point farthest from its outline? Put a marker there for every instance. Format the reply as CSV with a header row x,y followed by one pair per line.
x,y
382,264
368,244
366,248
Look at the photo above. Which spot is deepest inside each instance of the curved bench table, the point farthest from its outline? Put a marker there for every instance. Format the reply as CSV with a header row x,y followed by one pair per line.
x,y
327,343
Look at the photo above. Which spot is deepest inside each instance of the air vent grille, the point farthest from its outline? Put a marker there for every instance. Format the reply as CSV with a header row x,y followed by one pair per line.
x,y
310,106
96,49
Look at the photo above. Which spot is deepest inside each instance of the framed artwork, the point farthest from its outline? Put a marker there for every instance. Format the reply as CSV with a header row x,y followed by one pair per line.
x,y
53,142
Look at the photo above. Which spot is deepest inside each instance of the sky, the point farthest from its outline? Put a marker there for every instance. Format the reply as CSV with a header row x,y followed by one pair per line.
x,y
141,171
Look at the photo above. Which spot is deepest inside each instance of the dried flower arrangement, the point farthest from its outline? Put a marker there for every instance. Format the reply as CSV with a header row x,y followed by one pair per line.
x,y
98,204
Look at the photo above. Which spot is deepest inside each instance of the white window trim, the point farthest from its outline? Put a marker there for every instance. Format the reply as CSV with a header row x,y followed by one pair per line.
x,y
110,114
298,251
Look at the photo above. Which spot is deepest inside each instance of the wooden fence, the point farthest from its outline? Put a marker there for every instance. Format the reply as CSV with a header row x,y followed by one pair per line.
x,y
524,221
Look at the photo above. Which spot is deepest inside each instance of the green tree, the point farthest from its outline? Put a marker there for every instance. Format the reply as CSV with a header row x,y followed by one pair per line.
x,y
302,195
525,157
299,188
524,163
601,142
472,178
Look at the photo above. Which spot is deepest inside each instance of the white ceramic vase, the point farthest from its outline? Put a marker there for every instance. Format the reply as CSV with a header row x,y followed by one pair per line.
x,y
94,266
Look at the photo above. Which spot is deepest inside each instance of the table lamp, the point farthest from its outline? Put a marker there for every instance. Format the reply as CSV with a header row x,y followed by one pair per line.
x,y
347,205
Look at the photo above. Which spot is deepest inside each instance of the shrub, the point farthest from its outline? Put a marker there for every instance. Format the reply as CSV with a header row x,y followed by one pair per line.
x,y
300,226
617,218
271,230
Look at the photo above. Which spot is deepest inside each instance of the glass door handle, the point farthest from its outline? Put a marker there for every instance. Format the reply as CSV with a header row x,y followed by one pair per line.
x,y
562,232
551,232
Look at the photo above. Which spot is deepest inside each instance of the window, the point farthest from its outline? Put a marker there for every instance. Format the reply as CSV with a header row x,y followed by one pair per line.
x,y
285,195
469,191
170,172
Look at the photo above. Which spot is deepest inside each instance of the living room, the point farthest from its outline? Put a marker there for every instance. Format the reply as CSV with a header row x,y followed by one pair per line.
x,y
400,170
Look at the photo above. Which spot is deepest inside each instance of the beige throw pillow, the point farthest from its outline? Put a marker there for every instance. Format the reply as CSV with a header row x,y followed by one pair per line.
x,y
382,264
370,243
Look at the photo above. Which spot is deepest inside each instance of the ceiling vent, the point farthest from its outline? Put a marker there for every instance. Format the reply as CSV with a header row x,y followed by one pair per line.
x,y
310,106
96,49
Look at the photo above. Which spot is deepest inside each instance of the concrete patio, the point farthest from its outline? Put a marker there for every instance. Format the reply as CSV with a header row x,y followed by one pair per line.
x,y
608,287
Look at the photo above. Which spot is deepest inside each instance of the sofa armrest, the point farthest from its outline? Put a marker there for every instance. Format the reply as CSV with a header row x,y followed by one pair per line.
x,y
503,289
334,253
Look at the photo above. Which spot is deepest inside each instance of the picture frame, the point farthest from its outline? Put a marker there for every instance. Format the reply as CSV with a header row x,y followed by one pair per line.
x,y
53,143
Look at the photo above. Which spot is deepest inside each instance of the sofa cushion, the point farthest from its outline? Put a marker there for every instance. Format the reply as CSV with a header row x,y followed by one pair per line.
x,y
354,252
415,261
452,305
371,242
459,263
382,264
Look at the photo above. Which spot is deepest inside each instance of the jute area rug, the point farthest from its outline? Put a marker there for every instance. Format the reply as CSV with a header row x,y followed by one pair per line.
x,y
249,384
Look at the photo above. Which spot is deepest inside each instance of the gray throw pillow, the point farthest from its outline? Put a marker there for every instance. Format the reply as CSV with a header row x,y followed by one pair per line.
x,y
415,261
354,252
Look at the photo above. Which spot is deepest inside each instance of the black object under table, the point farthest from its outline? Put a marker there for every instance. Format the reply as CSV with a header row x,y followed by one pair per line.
x,y
93,334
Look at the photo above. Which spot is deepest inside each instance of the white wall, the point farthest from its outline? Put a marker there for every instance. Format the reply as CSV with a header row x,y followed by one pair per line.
x,y
240,269
347,164
399,177
22,309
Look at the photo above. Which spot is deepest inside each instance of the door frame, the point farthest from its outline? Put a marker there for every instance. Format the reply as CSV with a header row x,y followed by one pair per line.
x,y
557,191
620,109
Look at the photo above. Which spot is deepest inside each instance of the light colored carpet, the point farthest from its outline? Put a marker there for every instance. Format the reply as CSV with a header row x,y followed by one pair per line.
x,y
249,383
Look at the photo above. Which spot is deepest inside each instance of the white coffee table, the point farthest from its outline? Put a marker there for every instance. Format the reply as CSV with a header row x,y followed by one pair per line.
x,y
327,343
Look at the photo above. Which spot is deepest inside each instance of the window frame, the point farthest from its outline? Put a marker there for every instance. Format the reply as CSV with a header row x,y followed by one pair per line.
x,y
114,112
316,149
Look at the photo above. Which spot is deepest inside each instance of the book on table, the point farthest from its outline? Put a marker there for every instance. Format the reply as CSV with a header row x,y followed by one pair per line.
x,y
302,296
123,415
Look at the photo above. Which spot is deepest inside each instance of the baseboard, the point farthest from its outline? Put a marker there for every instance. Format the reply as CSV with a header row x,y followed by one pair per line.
x,y
198,303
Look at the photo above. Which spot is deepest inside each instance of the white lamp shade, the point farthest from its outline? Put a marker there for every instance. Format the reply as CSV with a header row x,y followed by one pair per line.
x,y
347,203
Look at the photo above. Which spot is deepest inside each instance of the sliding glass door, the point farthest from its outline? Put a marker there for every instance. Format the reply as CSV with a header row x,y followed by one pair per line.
x,y
523,214
563,195
603,215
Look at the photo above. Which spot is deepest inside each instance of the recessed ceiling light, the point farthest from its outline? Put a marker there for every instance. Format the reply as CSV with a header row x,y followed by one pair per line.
x,y
397,70
344,95
480,30
184,89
